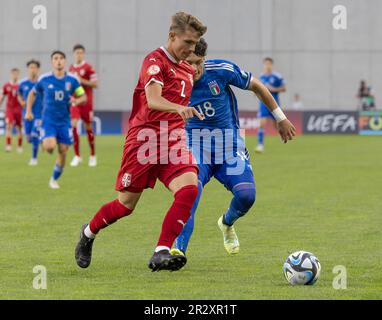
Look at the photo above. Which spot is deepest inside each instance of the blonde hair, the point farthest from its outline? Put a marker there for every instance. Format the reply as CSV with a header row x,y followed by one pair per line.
x,y
181,21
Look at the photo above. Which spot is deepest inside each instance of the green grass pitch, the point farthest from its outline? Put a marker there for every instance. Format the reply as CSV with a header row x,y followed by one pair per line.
x,y
318,193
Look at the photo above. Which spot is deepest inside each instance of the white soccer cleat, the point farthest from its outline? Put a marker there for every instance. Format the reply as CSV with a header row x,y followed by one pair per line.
x,y
53,184
75,161
259,148
92,161
33,162
231,241
19,150
8,148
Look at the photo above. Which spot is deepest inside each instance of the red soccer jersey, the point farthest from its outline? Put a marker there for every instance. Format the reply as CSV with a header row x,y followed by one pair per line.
x,y
10,91
176,80
86,71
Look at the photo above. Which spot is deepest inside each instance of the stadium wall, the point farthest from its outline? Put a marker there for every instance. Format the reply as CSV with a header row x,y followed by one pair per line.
x,y
323,65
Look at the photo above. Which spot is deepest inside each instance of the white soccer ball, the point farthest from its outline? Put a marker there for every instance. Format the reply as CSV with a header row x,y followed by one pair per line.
x,y
302,268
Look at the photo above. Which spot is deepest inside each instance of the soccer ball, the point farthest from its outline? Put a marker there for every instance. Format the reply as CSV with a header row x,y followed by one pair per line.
x,y
302,268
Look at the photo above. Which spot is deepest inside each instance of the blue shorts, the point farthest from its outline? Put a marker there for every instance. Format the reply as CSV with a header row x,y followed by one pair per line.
x,y
228,173
62,133
36,129
264,112
28,127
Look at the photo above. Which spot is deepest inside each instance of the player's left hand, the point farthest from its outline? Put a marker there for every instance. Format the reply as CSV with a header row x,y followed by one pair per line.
x,y
286,130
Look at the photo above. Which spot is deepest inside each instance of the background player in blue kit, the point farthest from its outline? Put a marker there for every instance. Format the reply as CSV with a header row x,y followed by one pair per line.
x,y
275,83
213,97
31,127
57,89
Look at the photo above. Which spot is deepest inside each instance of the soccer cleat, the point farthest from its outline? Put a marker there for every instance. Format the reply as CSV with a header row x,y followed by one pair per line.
x,y
175,251
92,161
259,148
83,252
53,184
8,148
163,260
33,162
75,161
231,241
19,150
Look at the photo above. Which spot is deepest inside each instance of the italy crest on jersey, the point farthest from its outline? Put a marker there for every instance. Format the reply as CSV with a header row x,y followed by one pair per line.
x,y
214,87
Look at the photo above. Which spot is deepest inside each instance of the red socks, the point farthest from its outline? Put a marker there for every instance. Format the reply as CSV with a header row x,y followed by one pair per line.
x,y
20,141
91,141
108,214
76,144
177,216
8,141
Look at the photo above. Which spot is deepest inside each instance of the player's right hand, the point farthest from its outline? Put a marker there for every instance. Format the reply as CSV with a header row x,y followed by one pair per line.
x,y
189,112
286,130
29,116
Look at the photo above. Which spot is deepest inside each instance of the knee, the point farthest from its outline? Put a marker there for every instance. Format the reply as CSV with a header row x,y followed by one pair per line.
x,y
246,198
187,194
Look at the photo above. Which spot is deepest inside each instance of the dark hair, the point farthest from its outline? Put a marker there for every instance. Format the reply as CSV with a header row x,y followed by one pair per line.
x,y
15,69
35,62
182,20
268,59
78,46
201,48
57,52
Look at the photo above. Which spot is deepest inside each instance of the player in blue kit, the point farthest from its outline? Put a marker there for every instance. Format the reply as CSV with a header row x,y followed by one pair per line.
x,y
275,83
224,156
31,127
58,90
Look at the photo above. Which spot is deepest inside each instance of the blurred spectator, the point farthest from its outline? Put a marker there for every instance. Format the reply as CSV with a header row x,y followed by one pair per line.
x,y
297,103
366,99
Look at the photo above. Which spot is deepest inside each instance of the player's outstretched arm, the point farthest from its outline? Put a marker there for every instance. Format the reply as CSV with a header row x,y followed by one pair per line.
x,y
21,100
286,129
30,101
155,101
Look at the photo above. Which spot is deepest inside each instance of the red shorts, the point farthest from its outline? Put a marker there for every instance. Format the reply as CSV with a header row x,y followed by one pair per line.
x,y
84,112
133,176
14,118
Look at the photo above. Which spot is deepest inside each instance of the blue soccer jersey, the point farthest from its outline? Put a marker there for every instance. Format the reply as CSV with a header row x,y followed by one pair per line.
x,y
25,86
213,96
56,93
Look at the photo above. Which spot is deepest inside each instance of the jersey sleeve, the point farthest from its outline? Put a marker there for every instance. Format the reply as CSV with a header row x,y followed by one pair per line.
x,y
20,89
92,74
38,88
281,80
4,90
232,74
152,71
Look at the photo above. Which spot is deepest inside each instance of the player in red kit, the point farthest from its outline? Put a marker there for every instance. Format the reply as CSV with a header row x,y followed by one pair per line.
x,y
88,79
13,111
159,109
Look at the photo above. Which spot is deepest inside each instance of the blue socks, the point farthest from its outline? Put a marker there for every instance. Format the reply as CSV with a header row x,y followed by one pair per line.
x,y
260,136
57,171
242,201
35,146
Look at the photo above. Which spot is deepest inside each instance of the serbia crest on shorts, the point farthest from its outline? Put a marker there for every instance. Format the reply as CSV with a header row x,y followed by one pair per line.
x,y
126,180
214,87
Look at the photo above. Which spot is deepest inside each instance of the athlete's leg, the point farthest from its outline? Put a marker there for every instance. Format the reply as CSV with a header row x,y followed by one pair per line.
x,y
76,139
204,176
244,195
90,132
19,132
185,190
8,135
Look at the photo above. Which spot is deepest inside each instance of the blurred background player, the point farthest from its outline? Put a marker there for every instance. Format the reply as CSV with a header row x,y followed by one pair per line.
x,y
160,99
57,89
88,79
13,111
226,159
275,84
31,127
